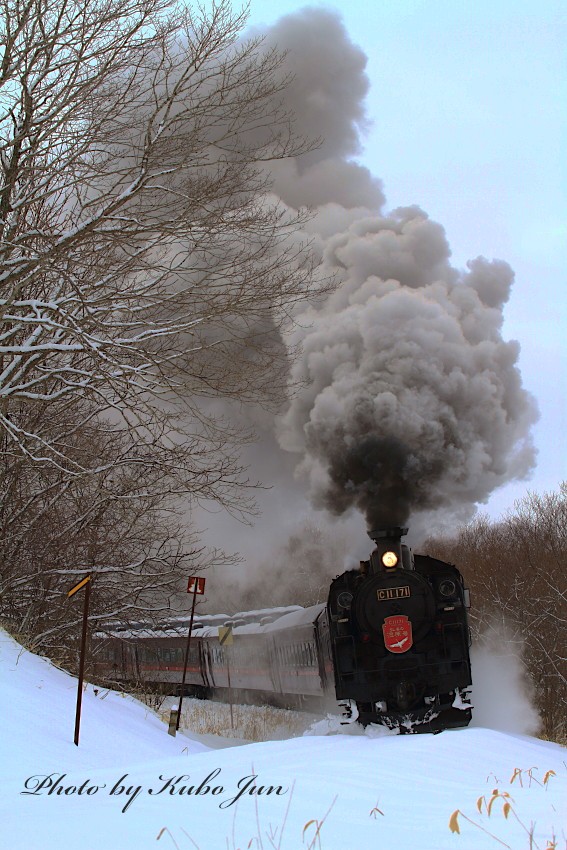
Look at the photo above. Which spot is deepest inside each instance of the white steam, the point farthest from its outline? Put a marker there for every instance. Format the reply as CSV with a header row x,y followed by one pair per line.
x,y
502,693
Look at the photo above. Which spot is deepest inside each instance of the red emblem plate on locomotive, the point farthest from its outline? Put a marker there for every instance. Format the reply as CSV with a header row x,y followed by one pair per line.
x,y
397,633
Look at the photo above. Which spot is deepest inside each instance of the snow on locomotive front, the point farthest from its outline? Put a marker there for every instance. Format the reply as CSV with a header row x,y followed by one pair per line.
x,y
400,638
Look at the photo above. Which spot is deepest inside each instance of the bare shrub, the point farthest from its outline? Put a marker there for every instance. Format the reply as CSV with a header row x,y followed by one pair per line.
x,y
515,569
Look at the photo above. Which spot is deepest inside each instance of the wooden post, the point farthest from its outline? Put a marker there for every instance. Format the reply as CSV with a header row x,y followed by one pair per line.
x,y
173,715
229,690
225,640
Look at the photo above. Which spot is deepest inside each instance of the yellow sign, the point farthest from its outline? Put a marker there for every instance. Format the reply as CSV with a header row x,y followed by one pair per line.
x,y
78,586
225,635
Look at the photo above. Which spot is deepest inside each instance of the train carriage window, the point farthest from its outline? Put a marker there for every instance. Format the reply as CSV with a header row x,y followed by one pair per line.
x,y
217,654
107,654
171,655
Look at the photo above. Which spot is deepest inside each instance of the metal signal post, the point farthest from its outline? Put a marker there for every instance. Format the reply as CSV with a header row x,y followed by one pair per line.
x,y
195,586
84,582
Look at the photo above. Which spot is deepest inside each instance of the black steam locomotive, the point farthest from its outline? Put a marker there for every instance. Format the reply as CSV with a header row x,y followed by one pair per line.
x,y
400,638
391,645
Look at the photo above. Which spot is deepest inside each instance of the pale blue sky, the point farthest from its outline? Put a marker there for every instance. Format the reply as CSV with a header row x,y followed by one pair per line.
x,y
468,118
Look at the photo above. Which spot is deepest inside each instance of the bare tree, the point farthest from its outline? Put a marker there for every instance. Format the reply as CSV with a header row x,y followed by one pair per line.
x,y
144,274
141,264
516,570
118,526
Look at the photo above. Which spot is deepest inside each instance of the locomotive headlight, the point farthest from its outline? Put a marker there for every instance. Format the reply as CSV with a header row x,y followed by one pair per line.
x,y
389,559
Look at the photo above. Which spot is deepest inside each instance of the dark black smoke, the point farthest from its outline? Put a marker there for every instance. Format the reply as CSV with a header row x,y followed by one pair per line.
x,y
379,476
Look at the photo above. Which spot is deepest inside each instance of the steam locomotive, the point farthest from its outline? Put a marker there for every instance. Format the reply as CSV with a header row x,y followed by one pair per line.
x,y
391,645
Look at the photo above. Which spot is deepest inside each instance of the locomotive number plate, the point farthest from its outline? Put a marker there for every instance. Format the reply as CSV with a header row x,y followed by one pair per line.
x,y
393,593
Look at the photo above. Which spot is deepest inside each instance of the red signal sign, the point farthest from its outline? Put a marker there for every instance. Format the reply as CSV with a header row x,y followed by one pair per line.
x,y
196,585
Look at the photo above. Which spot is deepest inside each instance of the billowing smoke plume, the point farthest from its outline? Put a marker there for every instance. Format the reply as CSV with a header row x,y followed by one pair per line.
x,y
410,400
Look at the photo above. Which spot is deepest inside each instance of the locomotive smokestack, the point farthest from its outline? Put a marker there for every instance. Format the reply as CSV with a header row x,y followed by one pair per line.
x,y
395,533
388,554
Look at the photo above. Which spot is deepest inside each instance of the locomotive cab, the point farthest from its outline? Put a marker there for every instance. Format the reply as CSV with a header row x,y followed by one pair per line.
x,y
400,638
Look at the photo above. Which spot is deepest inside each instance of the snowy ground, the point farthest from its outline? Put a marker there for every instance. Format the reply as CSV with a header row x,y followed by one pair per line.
x,y
130,786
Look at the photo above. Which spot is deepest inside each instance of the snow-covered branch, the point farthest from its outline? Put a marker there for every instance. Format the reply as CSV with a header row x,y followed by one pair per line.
x,y
136,234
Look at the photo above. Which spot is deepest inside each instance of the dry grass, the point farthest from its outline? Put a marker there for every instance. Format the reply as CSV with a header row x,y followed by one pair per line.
x,y
248,722
560,738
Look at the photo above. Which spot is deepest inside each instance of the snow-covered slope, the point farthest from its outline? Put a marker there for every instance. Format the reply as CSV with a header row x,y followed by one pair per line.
x,y
130,786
